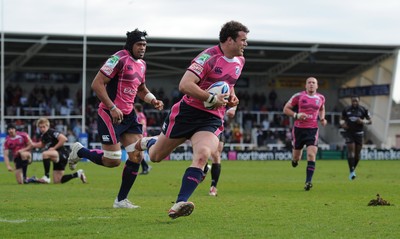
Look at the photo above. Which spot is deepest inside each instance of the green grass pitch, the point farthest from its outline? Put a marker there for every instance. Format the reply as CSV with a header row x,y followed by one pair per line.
x,y
256,199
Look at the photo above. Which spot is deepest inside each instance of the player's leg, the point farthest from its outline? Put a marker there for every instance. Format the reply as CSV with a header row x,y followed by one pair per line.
x,y
311,156
110,154
203,143
59,175
357,155
296,153
18,169
26,158
78,174
216,169
19,176
297,150
158,147
351,149
49,156
310,137
357,150
145,166
130,171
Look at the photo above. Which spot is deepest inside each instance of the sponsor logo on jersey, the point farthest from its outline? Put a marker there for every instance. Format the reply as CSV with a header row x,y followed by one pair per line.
x,y
195,67
106,138
237,70
202,59
218,70
129,91
108,67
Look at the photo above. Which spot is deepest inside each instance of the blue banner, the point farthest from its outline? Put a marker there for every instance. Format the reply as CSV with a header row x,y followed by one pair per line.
x,y
364,91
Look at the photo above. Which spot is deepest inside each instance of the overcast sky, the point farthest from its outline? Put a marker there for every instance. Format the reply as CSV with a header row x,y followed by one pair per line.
x,y
319,21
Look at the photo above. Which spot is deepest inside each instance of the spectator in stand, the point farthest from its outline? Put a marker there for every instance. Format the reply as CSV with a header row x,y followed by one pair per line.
x,y
262,100
246,98
272,96
77,128
265,123
93,132
288,139
255,98
353,119
70,136
19,144
59,126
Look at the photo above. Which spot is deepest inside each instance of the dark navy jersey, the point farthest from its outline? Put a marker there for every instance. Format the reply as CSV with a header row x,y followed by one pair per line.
x,y
49,139
351,114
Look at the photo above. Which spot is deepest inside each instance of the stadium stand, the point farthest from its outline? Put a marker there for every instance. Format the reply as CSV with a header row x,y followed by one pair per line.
x,y
43,76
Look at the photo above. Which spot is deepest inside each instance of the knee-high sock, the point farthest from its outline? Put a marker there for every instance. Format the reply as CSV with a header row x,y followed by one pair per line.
x,y
67,177
310,170
24,170
352,163
190,180
95,155
46,165
215,172
144,164
25,164
356,160
129,175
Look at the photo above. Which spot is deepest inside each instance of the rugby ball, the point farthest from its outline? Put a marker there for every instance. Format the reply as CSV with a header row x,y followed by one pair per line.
x,y
219,87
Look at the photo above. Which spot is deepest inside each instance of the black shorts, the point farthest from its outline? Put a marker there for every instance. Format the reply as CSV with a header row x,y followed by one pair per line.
x,y
63,160
183,121
354,137
111,133
304,136
18,162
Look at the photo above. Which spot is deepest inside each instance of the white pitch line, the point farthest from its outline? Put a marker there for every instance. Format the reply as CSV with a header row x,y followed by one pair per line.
x,y
46,219
12,221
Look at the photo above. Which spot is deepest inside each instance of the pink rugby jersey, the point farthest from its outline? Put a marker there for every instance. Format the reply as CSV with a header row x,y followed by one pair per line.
x,y
211,66
126,75
16,143
310,105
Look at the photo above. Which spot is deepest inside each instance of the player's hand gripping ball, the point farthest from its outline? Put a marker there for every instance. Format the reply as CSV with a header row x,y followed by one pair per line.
x,y
219,87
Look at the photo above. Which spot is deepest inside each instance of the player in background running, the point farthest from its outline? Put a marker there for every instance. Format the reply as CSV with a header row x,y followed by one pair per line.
x,y
353,119
311,109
